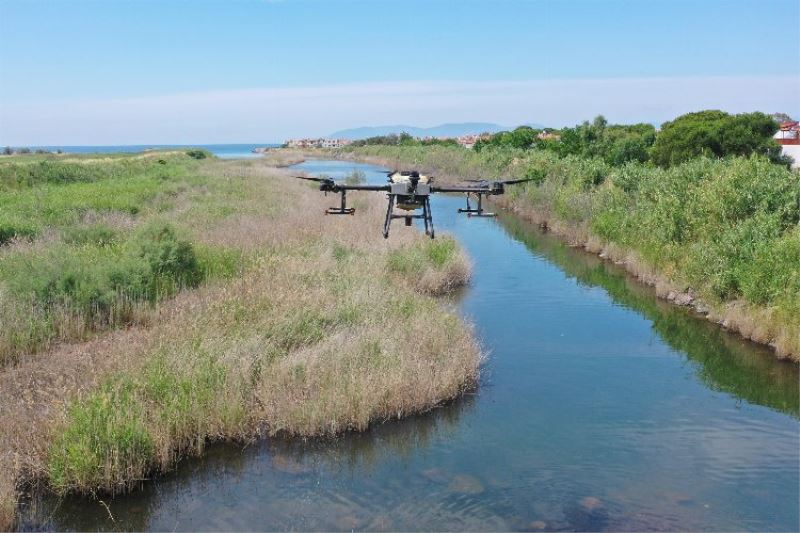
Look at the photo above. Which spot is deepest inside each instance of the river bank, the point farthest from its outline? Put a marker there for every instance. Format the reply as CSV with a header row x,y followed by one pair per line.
x,y
776,326
283,341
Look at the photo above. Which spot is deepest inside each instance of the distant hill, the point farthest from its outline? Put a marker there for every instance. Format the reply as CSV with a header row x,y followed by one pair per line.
x,y
443,130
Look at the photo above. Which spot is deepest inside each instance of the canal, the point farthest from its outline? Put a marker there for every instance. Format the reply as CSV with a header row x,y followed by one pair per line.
x,y
600,407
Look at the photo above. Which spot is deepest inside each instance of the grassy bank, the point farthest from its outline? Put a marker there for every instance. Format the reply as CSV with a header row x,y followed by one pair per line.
x,y
721,235
284,322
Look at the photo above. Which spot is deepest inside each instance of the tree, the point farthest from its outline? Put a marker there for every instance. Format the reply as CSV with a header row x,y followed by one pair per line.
x,y
782,117
523,137
616,144
717,134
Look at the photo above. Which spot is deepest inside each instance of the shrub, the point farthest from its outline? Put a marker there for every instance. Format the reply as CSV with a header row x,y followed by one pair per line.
x,y
198,154
172,262
16,230
102,281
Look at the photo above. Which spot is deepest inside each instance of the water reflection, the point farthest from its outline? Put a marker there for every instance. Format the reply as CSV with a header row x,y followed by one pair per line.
x,y
724,361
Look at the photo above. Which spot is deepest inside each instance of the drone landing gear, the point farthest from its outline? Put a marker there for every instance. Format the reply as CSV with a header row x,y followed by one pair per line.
x,y
342,209
426,216
478,211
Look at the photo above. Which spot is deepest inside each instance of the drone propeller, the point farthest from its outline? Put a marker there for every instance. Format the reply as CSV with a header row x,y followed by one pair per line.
x,y
511,182
326,184
501,182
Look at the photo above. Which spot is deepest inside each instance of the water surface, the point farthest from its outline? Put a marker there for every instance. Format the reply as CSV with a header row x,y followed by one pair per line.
x,y
224,151
600,408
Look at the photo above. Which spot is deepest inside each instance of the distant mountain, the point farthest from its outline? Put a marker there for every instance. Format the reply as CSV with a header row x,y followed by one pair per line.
x,y
443,130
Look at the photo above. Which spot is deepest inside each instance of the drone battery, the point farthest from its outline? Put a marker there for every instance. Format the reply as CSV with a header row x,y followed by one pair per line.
x,y
400,188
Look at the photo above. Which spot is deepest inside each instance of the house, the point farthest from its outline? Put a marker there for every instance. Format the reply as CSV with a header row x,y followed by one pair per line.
x,y
317,143
788,132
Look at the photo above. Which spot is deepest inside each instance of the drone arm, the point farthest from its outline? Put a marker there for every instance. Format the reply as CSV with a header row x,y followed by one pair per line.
x,y
467,189
376,188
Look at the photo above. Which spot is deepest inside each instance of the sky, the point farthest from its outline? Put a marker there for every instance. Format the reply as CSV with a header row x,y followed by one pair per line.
x,y
84,72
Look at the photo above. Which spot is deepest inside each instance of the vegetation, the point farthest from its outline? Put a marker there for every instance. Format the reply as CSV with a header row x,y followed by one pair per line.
x,y
356,177
706,133
716,134
724,230
414,264
404,139
241,318
88,244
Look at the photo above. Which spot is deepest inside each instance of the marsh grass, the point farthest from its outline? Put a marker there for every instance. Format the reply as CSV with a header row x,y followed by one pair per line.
x,y
308,344
432,267
306,328
101,249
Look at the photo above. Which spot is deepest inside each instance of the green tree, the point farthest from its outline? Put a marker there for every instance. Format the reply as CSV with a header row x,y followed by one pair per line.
x,y
716,134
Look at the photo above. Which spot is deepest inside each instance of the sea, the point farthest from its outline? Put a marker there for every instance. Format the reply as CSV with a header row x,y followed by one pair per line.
x,y
229,151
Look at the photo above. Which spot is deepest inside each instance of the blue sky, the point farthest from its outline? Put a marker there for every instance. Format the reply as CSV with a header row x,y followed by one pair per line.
x,y
102,72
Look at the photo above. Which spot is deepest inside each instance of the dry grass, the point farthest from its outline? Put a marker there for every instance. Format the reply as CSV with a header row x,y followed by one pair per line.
x,y
319,334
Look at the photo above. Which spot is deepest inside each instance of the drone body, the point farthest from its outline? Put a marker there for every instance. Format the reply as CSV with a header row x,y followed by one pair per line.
x,y
410,191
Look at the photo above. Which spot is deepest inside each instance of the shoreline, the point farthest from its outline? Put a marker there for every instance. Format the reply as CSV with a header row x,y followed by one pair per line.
x,y
736,317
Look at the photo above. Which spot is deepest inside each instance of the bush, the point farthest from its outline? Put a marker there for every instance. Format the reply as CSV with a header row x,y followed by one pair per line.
x,y
101,281
171,261
15,230
198,154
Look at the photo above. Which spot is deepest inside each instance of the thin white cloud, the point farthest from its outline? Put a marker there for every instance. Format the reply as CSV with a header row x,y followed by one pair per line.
x,y
259,115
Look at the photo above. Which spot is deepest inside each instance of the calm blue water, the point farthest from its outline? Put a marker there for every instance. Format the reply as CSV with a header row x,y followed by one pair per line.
x,y
600,408
220,150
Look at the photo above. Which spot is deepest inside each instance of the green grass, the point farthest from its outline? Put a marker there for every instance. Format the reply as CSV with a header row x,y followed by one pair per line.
x,y
415,258
88,243
110,439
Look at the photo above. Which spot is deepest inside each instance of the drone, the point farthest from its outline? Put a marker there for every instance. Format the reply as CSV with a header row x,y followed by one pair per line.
x,y
410,191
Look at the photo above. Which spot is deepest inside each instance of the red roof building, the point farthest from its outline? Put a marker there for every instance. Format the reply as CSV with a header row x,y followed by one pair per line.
x,y
788,132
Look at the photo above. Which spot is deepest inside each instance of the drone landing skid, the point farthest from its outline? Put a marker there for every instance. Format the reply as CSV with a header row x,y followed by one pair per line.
x,y
426,216
476,211
342,209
